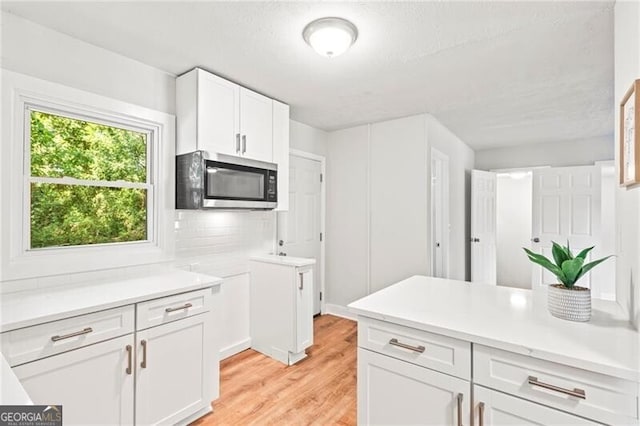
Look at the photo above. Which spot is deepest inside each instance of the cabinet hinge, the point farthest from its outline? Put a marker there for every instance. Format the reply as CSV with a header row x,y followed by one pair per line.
x,y
321,236
321,177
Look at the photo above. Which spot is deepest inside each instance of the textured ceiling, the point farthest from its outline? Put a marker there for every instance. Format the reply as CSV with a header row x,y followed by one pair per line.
x,y
496,73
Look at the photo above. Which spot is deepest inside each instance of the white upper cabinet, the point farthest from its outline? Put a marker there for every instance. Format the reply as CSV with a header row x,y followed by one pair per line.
x,y
256,125
281,151
218,116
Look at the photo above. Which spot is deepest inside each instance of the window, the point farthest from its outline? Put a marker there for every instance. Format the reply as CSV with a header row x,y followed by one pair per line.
x,y
89,181
86,181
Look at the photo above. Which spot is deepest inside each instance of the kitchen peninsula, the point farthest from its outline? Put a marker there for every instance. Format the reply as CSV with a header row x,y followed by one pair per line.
x,y
444,351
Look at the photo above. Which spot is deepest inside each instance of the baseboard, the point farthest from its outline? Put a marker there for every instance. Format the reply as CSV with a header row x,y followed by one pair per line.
x,y
235,348
339,311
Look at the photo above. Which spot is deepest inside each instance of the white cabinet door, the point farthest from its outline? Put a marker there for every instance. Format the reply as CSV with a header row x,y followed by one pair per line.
x,y
91,383
174,371
281,152
394,392
256,125
496,408
304,309
218,115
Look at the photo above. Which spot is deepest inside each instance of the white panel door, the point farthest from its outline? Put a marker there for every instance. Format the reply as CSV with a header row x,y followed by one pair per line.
x,y
566,207
218,112
256,125
91,383
394,392
174,364
299,229
439,214
483,227
496,408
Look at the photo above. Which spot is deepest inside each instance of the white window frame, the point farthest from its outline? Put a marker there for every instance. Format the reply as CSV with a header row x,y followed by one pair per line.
x,y
148,185
20,93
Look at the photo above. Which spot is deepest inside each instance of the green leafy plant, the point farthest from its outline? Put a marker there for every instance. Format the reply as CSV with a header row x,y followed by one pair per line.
x,y
567,268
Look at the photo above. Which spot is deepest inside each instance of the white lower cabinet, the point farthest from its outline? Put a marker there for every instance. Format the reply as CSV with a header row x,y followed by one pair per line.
x,y
410,376
161,370
282,307
395,392
91,383
496,408
173,371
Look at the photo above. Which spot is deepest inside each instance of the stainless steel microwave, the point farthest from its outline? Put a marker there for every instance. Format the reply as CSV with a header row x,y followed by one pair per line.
x,y
225,182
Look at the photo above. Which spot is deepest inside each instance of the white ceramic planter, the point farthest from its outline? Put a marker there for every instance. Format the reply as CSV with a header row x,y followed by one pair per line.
x,y
569,304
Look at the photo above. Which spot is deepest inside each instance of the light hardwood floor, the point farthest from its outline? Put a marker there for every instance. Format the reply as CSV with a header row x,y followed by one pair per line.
x,y
319,390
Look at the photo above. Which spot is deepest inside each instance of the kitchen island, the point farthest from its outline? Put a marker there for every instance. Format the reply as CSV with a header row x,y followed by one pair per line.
x,y
426,345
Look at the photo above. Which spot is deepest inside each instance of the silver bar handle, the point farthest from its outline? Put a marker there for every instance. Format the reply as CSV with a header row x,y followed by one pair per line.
x,y
179,308
460,398
129,359
237,143
143,364
244,143
301,285
481,414
70,335
578,393
395,342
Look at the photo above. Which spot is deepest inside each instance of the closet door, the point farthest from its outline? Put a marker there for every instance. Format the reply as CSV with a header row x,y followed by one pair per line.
x,y
399,202
347,227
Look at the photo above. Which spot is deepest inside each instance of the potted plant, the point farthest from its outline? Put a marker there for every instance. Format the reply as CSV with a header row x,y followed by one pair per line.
x,y
565,299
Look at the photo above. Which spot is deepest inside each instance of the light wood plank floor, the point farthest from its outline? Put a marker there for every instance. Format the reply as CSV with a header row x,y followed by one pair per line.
x,y
319,390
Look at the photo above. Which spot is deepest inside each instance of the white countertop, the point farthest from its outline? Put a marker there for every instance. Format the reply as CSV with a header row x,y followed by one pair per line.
x,y
11,391
512,319
283,260
23,309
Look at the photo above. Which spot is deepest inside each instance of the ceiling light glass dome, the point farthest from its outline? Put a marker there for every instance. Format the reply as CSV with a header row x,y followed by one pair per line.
x,y
330,36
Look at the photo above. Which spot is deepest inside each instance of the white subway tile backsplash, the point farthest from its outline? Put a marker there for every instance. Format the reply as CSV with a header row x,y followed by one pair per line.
x,y
210,242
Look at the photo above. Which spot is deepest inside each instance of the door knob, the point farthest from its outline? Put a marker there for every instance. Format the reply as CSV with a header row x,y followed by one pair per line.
x,y
281,243
535,240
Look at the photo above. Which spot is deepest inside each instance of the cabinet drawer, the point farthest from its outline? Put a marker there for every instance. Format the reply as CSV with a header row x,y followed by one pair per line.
x,y
171,308
441,353
496,408
596,396
40,341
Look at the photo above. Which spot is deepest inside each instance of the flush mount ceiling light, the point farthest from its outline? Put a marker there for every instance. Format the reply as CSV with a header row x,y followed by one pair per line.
x,y
330,36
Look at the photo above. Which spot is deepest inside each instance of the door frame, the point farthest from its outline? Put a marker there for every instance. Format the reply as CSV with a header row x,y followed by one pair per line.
x,y
323,204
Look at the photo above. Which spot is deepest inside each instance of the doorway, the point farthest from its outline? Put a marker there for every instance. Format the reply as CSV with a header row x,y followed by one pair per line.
x,y
535,206
300,230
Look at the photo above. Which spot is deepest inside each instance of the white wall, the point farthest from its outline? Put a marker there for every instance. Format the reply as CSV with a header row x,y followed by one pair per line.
x,y
32,49
627,69
309,139
461,162
513,229
565,153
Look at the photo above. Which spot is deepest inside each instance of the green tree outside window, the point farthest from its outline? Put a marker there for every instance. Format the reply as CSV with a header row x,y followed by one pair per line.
x,y
106,199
